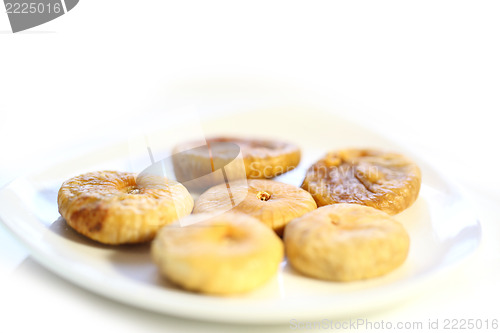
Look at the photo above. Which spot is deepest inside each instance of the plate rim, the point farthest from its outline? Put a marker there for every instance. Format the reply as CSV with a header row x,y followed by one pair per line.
x,y
399,287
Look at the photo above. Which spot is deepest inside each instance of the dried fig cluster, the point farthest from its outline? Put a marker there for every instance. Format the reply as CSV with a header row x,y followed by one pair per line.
x,y
231,243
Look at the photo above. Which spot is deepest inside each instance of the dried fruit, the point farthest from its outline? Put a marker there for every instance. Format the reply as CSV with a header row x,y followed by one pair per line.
x,y
345,242
114,207
386,181
272,202
261,158
223,254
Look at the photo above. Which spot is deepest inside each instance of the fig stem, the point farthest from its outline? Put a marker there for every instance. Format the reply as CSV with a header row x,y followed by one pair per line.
x,y
263,196
133,190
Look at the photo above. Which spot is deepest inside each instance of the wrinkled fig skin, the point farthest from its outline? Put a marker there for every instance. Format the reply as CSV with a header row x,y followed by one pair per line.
x,y
261,158
114,207
273,203
345,242
221,254
386,181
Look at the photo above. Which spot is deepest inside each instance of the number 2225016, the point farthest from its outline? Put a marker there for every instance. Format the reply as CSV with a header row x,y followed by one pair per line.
x,y
32,8
461,324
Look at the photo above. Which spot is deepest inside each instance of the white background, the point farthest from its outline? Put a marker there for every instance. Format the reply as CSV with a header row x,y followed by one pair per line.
x,y
426,73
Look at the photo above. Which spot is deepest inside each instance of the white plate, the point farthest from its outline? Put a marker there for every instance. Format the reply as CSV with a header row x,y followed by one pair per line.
x,y
442,230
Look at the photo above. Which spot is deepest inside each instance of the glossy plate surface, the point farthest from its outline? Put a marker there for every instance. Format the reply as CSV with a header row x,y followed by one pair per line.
x,y
443,232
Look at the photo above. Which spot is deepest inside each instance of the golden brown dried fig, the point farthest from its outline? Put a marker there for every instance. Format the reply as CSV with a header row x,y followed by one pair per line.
x,y
386,181
261,158
273,203
224,254
345,242
114,207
